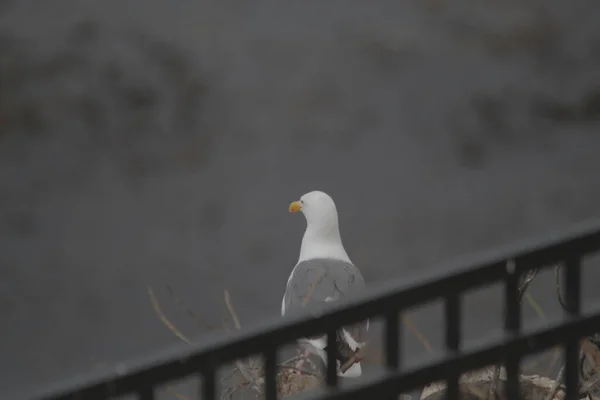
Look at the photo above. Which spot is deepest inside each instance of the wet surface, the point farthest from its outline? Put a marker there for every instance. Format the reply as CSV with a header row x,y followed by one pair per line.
x,y
146,143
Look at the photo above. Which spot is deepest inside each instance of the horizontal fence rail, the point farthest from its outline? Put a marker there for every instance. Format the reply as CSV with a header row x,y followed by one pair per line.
x,y
508,265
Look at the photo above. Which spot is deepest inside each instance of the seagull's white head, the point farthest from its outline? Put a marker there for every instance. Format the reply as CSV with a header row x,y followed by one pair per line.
x,y
318,209
322,236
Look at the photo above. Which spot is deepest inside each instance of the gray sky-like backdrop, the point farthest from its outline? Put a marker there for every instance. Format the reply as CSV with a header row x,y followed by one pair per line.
x,y
145,142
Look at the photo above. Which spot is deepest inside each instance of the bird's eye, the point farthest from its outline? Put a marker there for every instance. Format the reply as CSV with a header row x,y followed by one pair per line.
x,y
302,202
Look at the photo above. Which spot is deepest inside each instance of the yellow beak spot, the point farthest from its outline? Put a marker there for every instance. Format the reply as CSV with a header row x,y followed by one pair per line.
x,y
295,206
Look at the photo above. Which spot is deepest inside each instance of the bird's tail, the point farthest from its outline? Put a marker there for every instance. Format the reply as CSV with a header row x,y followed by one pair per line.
x,y
348,362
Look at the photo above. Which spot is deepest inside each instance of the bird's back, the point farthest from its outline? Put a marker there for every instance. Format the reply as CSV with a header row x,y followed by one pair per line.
x,y
314,284
319,281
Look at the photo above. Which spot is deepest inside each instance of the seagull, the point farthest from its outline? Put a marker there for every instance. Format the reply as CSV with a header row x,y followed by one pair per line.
x,y
323,274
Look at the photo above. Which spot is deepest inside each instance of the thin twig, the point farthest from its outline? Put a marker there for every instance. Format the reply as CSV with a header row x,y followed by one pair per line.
x,y
494,385
406,321
293,360
525,281
556,384
173,329
243,370
164,319
230,375
188,310
304,371
556,353
538,309
229,392
177,394
555,350
475,391
558,291
236,321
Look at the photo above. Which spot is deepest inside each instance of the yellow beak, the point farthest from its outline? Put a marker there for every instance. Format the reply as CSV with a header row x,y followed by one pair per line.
x,y
295,206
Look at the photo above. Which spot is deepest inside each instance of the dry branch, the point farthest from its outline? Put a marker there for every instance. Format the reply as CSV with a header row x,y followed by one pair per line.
x,y
177,394
173,329
188,310
249,373
406,321
164,319
556,385
236,320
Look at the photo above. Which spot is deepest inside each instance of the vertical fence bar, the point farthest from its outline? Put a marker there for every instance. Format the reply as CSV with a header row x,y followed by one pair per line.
x,y
452,339
208,389
512,326
331,359
392,344
511,300
146,393
270,359
392,339
453,321
572,278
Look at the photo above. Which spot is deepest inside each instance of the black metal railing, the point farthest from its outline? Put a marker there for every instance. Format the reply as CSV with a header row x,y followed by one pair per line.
x,y
144,376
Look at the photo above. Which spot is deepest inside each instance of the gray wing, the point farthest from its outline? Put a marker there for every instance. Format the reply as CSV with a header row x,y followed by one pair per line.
x,y
316,283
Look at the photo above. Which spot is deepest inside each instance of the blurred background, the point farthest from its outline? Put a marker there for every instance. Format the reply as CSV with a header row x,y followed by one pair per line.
x,y
153,142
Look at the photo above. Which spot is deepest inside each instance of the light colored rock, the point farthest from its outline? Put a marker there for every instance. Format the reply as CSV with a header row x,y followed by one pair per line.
x,y
477,382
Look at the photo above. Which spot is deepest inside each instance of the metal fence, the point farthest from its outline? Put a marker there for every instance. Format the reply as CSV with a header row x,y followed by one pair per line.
x,y
506,265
